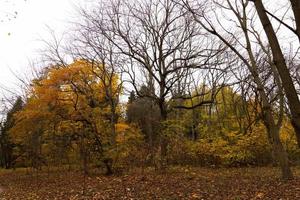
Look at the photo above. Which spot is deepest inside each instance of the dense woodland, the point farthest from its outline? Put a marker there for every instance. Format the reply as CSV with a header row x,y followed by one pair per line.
x,y
163,83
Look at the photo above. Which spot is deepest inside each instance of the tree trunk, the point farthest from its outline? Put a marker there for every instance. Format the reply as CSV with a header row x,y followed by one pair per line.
x,y
279,61
269,122
108,164
274,137
296,124
163,139
113,121
280,153
296,10
85,164
84,156
109,161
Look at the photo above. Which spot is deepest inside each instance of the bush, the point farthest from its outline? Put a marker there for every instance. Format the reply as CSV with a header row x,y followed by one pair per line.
x,y
230,149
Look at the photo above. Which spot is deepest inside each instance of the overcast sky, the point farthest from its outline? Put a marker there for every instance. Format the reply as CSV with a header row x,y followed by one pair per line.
x,y
20,36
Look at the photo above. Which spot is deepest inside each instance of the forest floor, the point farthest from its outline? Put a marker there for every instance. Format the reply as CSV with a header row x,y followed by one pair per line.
x,y
176,183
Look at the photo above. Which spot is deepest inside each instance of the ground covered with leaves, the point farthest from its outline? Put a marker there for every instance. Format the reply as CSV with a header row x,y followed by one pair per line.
x,y
176,183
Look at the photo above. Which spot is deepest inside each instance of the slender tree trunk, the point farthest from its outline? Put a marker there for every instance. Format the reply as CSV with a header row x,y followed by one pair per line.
x,y
274,138
85,163
149,131
279,61
163,139
150,124
113,121
1,153
109,161
83,155
279,152
269,122
108,164
296,125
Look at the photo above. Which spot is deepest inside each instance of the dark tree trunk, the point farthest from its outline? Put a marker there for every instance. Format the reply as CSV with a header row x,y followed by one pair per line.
x,y
108,164
163,139
296,125
279,61
296,10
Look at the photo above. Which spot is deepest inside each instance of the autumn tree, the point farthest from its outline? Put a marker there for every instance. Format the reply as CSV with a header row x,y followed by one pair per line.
x,y
72,104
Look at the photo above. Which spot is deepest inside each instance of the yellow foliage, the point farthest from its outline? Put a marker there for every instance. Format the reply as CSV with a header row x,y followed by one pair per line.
x,y
70,100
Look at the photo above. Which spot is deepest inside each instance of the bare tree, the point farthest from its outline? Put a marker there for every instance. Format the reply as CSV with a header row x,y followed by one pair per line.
x,y
239,42
280,63
160,44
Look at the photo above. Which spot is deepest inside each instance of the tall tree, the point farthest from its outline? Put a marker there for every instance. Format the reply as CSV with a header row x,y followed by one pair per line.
x,y
280,63
159,44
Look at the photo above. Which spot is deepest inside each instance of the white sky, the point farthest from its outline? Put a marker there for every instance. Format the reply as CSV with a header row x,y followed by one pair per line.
x,y
20,38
